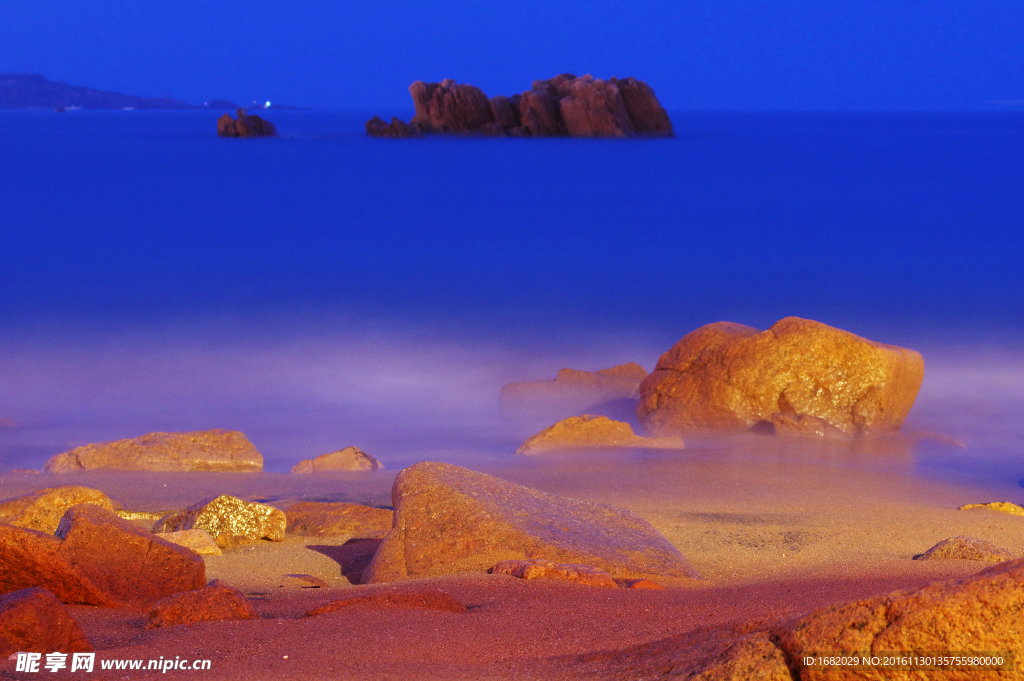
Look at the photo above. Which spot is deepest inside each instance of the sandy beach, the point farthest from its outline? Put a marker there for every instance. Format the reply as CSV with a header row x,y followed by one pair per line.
x,y
776,530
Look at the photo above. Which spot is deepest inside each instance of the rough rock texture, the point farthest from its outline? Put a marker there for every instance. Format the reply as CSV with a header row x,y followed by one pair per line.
x,y
133,566
803,425
34,559
730,376
571,392
645,112
752,657
216,601
336,519
245,126
1003,506
449,107
560,106
396,129
204,450
966,548
592,431
43,510
226,518
430,599
543,569
348,459
450,519
979,613
34,621
197,540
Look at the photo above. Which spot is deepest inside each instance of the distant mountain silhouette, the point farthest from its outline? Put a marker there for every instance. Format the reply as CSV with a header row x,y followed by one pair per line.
x,y
33,91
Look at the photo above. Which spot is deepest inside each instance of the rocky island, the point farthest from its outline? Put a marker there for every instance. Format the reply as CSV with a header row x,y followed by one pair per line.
x,y
563,106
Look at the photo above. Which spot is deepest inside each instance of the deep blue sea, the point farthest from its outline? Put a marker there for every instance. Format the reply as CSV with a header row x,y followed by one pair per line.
x,y
325,289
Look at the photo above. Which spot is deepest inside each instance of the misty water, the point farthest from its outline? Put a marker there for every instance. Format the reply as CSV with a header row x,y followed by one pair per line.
x,y
325,289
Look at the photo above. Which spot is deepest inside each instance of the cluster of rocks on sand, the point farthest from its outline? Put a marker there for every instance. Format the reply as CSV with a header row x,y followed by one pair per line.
x,y
244,126
565,105
799,378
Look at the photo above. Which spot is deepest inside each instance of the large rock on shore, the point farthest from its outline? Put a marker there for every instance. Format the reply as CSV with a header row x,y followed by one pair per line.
x,y
565,105
33,620
43,510
228,519
213,602
204,450
730,376
571,392
336,519
348,459
133,566
980,613
245,126
591,432
450,519
35,559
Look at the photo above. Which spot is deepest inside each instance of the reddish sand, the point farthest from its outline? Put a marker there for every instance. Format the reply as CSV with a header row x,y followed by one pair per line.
x,y
775,534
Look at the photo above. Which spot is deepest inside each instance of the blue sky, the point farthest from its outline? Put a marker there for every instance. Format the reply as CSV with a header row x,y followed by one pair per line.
x,y
752,55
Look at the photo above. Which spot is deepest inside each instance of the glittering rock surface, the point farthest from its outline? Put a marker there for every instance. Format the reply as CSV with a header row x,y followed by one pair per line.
x,y
225,518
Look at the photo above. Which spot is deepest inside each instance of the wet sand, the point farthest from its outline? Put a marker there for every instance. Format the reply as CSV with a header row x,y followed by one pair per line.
x,y
776,530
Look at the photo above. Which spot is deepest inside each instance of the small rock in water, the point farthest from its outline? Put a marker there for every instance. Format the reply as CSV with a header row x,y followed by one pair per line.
x,y
215,601
229,520
965,548
245,126
335,519
542,569
587,432
196,539
34,620
204,450
1004,506
43,510
348,459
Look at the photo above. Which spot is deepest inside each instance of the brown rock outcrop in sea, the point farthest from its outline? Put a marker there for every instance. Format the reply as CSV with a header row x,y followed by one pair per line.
x,y
730,376
589,432
33,620
965,548
228,519
133,566
204,450
450,519
348,459
197,540
979,613
215,601
245,126
43,510
543,569
565,105
1001,506
571,392
336,519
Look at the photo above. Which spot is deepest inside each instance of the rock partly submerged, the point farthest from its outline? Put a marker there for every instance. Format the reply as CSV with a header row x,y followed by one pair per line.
x,y
204,450
337,519
450,519
42,510
730,376
33,620
229,520
347,459
244,126
572,392
593,432
565,105
965,548
215,601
